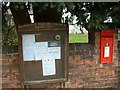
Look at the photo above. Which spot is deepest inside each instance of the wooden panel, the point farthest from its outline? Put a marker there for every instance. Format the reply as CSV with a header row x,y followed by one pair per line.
x,y
33,71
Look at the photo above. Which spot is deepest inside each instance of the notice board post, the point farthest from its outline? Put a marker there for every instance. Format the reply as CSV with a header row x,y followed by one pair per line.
x,y
43,52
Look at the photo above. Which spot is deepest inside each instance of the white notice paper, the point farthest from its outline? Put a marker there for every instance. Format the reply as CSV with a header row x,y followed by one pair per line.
x,y
48,66
28,53
54,52
41,49
28,41
107,51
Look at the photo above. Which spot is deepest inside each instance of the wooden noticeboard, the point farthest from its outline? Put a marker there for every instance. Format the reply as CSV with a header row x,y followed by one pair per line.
x,y
43,50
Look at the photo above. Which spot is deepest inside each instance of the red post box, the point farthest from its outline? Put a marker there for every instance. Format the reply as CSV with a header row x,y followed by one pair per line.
x,y
106,46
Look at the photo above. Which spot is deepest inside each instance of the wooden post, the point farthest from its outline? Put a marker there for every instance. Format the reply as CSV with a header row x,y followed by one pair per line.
x,y
26,87
63,85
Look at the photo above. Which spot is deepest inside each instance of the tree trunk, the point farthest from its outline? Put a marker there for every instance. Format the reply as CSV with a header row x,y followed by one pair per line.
x,y
91,37
20,15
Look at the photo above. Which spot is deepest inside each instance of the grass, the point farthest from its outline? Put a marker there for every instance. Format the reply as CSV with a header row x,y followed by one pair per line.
x,y
78,38
81,38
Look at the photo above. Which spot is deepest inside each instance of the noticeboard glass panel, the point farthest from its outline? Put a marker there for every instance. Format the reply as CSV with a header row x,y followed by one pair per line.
x,y
44,55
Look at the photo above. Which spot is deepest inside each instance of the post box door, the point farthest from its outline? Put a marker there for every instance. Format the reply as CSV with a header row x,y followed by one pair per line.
x,y
106,49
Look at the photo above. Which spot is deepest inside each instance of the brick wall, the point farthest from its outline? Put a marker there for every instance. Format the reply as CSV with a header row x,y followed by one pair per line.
x,y
11,71
119,64
85,71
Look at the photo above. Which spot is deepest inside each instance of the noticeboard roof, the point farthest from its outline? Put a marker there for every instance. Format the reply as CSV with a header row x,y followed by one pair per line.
x,y
42,26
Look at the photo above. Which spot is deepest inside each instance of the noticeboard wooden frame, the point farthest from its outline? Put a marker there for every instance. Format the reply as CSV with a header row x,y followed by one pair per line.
x,y
32,71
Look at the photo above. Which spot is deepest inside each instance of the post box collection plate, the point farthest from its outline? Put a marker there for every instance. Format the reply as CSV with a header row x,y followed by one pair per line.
x,y
43,50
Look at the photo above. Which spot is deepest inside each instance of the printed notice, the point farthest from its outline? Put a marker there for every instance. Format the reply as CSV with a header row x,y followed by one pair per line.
x,y
48,66
41,49
28,39
54,49
28,53
28,47
54,52
107,51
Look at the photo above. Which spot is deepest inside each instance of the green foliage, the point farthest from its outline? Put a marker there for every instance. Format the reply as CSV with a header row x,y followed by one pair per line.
x,y
99,12
9,36
78,38
70,6
60,6
45,5
18,5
